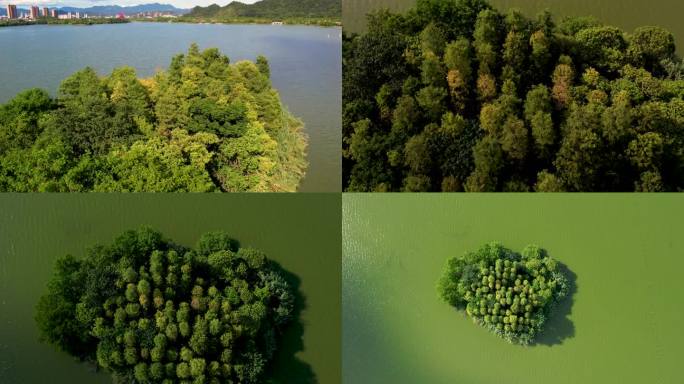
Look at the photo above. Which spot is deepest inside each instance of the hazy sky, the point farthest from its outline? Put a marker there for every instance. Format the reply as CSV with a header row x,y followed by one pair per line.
x,y
90,3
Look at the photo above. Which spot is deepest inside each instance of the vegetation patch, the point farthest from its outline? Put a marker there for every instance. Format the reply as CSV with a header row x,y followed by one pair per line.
x,y
457,96
202,125
508,293
150,311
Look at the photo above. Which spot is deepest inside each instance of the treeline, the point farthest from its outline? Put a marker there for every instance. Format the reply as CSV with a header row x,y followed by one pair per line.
x,y
455,96
269,10
510,294
311,21
201,125
149,311
53,21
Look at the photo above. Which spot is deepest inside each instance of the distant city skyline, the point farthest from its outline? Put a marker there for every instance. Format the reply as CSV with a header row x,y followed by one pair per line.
x,y
123,3
34,12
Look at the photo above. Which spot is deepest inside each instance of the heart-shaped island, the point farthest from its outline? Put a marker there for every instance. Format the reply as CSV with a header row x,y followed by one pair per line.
x,y
509,293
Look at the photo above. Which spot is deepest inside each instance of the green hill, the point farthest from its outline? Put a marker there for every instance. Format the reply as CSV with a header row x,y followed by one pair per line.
x,y
271,9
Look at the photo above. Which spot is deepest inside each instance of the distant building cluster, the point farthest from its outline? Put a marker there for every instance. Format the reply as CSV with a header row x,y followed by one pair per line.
x,y
34,13
154,15
73,15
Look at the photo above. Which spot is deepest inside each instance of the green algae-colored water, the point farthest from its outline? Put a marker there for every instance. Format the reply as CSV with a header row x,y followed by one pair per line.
x,y
299,231
626,14
622,325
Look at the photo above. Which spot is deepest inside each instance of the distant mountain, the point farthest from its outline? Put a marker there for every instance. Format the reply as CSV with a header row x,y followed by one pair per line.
x,y
111,10
275,9
106,10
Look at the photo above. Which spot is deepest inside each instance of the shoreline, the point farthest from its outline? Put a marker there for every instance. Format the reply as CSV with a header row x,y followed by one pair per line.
x,y
165,21
246,21
89,22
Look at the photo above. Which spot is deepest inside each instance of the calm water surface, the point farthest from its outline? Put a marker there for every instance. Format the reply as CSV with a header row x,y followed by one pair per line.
x,y
305,67
626,14
299,231
622,325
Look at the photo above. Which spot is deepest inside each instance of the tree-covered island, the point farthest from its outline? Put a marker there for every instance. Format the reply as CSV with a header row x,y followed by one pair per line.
x,y
508,293
457,96
203,124
150,311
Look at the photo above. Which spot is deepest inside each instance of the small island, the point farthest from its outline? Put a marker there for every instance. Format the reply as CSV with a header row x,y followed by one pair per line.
x,y
508,293
151,311
204,124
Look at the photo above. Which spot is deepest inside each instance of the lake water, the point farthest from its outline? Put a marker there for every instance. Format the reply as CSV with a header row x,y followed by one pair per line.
x,y
305,67
299,231
622,325
626,14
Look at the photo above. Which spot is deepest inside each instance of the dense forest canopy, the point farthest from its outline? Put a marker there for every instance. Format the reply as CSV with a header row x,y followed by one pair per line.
x,y
510,294
274,9
455,96
150,311
202,125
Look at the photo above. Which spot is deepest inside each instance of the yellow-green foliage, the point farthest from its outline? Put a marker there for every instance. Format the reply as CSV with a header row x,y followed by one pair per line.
x,y
202,125
511,294
545,104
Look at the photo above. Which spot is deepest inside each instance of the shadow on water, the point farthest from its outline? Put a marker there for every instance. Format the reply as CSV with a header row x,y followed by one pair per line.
x,y
286,368
559,327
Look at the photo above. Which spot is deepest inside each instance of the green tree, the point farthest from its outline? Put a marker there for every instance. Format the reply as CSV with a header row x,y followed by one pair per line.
x,y
618,119
55,311
262,64
458,56
547,182
650,181
431,99
579,160
650,46
541,52
432,70
538,114
432,39
19,119
489,161
646,151
604,46
487,37
417,155
514,138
